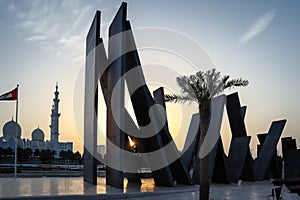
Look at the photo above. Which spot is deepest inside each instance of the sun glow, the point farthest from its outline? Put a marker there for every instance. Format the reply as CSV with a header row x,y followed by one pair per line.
x,y
131,143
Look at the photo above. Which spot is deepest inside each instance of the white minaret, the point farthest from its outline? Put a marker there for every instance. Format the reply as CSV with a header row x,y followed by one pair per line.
x,y
55,117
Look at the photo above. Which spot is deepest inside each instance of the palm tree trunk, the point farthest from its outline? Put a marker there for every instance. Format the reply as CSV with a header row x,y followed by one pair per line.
x,y
204,111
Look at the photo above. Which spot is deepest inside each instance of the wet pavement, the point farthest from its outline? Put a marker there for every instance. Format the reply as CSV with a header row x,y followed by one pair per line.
x,y
75,188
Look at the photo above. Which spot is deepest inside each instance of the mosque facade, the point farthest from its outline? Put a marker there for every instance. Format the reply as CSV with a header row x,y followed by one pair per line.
x,y
12,130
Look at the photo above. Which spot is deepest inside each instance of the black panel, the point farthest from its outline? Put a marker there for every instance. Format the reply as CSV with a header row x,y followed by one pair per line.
x,y
179,172
90,129
113,73
268,149
142,101
237,156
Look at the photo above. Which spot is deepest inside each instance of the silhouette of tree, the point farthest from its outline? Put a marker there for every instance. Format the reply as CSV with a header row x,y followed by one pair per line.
x,y
47,156
1,152
37,153
77,157
20,155
28,153
63,155
201,88
8,152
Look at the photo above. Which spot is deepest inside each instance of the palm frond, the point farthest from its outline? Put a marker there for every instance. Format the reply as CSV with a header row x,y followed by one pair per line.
x,y
183,83
219,86
239,82
203,86
178,98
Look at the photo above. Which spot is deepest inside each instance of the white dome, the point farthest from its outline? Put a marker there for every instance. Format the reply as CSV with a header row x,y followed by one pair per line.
x,y
11,129
37,135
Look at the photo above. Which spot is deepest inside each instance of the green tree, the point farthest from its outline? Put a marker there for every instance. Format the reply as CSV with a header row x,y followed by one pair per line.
x,y
201,88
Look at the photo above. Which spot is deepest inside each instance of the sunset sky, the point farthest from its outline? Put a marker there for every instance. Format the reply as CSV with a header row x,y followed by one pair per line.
x,y
43,42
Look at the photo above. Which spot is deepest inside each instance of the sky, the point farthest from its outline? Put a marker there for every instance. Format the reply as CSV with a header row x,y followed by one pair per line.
x,y
43,42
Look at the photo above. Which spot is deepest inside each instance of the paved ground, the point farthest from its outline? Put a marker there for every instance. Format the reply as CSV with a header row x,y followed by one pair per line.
x,y
74,188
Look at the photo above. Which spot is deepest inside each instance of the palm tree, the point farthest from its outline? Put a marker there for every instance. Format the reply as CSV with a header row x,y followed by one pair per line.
x,y
201,88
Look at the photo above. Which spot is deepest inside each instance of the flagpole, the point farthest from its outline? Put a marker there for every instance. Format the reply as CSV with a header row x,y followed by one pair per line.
x,y
16,136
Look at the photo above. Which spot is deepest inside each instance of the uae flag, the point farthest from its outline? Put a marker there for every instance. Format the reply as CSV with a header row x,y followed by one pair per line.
x,y
12,95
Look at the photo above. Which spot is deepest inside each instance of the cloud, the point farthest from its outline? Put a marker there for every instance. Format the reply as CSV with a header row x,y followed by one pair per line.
x,y
257,27
36,38
60,26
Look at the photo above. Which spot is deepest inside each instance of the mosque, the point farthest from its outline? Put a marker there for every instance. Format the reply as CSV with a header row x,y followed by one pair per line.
x,y
12,129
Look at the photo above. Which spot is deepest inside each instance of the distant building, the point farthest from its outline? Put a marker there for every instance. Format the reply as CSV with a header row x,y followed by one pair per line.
x,y
11,128
54,128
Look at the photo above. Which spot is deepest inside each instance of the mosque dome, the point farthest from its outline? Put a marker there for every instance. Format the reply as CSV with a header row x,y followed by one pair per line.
x,y
37,135
11,129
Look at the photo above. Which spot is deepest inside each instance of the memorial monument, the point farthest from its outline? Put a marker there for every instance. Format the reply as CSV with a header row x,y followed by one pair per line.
x,y
120,68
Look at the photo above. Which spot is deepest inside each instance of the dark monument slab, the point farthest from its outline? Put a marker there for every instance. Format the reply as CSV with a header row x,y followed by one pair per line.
x,y
274,170
212,142
247,171
218,164
162,176
268,149
237,156
159,98
235,115
291,157
116,69
243,112
292,164
238,129
133,162
179,172
90,103
191,142
132,177
262,137
287,144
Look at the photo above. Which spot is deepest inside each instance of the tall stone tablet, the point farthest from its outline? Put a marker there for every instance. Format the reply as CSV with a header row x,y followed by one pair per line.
x,y
191,142
116,69
179,171
219,164
142,101
287,144
236,121
235,115
243,112
292,164
210,144
268,149
237,156
274,170
90,103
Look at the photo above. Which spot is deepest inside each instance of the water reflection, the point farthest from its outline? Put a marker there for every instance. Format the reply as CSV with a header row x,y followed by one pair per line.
x,y
148,185
63,186
10,187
